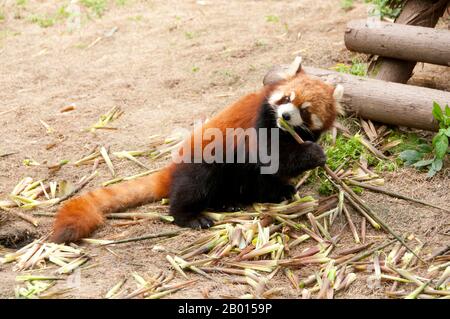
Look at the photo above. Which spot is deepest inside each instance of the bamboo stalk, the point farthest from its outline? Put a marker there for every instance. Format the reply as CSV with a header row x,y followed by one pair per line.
x,y
314,224
426,289
151,216
339,207
25,217
134,239
444,277
417,291
362,211
351,225
115,289
303,180
370,211
176,266
7,154
77,188
353,202
365,254
288,128
363,229
108,162
129,156
394,194
354,250
439,252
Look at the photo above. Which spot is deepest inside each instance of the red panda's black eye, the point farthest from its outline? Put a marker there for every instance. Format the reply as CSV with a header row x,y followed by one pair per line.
x,y
284,100
306,116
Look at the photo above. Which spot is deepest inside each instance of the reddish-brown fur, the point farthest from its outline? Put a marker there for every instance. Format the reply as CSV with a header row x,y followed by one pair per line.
x,y
241,114
318,93
79,216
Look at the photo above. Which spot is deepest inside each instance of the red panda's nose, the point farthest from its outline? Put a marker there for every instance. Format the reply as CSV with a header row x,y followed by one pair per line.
x,y
286,116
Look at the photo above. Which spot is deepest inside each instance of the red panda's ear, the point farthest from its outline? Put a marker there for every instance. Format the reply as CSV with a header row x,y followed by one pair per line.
x,y
295,66
338,93
283,72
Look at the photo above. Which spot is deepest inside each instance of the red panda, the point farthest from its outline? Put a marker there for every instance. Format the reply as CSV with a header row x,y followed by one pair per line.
x,y
308,104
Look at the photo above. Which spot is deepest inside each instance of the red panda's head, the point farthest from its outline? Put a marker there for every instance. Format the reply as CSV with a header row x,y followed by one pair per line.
x,y
301,100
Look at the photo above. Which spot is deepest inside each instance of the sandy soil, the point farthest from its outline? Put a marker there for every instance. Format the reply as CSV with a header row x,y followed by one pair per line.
x,y
168,64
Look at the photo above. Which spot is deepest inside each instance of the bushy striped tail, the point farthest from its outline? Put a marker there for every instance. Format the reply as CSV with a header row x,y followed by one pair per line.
x,y
80,216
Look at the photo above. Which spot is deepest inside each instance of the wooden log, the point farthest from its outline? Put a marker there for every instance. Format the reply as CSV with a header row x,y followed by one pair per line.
x,y
399,41
386,102
425,13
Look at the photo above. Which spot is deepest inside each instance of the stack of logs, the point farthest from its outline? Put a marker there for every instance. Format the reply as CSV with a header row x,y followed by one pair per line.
x,y
384,97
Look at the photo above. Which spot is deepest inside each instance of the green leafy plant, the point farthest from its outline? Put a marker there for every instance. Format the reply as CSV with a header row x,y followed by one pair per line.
x,y
357,68
346,150
62,12
325,186
97,6
272,18
43,21
346,4
260,44
138,17
386,8
189,35
432,157
387,166
408,140
46,21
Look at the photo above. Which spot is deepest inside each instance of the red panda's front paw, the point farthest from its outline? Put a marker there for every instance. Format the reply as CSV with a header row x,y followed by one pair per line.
x,y
315,154
287,192
197,222
278,194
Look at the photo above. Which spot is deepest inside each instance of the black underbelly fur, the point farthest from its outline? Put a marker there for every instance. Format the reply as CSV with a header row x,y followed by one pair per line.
x,y
200,186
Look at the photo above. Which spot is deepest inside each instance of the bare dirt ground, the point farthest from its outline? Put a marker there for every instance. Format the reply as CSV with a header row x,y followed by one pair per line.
x,y
168,64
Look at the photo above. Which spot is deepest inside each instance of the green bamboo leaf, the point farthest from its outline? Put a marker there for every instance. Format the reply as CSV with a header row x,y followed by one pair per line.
x,y
437,164
447,110
410,156
431,172
424,148
440,142
423,163
437,112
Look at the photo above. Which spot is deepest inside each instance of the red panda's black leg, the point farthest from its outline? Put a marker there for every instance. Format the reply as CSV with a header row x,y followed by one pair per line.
x,y
186,211
192,189
273,189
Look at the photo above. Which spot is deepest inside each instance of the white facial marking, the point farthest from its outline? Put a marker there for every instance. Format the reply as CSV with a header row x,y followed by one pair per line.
x,y
305,105
316,122
292,96
295,66
290,111
275,97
